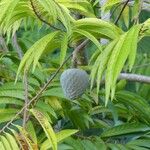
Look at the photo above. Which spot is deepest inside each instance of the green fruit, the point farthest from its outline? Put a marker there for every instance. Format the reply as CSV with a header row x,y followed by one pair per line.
x,y
74,82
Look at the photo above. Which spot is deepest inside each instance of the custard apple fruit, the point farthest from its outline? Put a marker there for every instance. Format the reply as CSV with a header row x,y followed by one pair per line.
x,y
74,82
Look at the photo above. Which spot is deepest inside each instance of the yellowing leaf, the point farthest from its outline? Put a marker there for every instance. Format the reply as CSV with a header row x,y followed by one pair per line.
x,y
46,127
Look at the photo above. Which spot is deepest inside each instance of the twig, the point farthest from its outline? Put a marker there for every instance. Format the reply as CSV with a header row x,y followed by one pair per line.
x,y
36,13
124,6
34,99
25,80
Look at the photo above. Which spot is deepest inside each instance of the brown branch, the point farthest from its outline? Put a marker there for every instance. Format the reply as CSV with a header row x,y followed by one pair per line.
x,y
124,6
39,17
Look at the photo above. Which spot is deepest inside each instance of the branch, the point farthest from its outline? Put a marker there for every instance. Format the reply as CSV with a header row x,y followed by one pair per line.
x,y
34,99
131,77
134,78
124,6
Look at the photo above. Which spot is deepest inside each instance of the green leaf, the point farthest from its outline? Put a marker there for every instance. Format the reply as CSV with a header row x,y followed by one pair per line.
x,y
140,142
122,147
7,117
12,141
30,129
5,143
89,36
60,136
111,66
136,102
125,128
103,61
54,92
134,147
75,144
65,133
135,10
13,94
110,4
35,52
17,137
114,146
133,48
88,145
46,127
99,143
126,44
126,16
9,100
64,46
98,28
84,7
13,86
94,71
2,146
46,108
7,7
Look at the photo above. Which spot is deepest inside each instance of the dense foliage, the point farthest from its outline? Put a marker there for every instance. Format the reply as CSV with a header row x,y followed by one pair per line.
x,y
39,39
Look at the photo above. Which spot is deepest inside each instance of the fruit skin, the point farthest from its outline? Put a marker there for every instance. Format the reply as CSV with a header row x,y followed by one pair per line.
x,y
74,82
